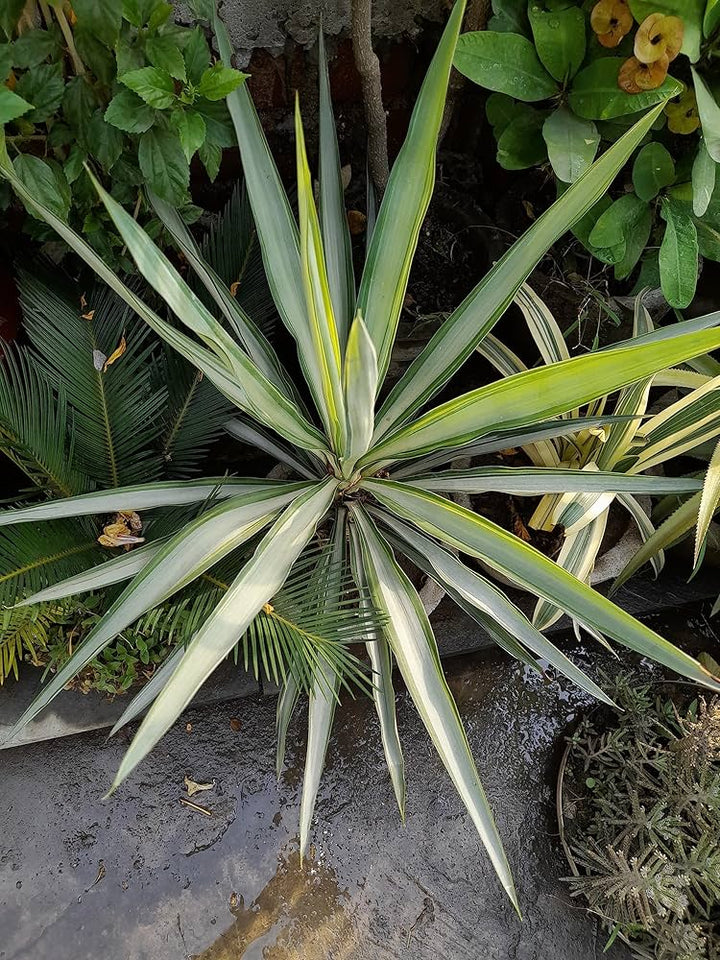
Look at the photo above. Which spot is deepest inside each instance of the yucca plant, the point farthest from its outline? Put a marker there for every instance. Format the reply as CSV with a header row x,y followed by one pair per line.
x,y
345,459
627,444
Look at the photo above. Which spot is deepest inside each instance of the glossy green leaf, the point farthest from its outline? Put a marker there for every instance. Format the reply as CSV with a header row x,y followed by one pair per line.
x,y
595,93
521,144
571,143
559,36
704,171
653,170
678,256
709,116
506,63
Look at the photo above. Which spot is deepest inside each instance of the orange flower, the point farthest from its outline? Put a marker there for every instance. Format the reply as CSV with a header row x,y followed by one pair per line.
x,y
682,113
611,20
659,36
634,76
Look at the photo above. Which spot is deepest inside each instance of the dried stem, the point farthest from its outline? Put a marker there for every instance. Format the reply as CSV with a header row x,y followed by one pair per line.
x,y
368,67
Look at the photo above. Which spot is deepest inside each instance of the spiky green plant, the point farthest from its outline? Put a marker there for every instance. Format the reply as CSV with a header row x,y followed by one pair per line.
x,y
345,459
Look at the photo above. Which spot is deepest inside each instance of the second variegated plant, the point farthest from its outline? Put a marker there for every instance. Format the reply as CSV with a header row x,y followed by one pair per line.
x,y
342,437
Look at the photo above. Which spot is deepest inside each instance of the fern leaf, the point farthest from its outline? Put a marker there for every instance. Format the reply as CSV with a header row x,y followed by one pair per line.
x,y
116,407
194,420
33,556
35,425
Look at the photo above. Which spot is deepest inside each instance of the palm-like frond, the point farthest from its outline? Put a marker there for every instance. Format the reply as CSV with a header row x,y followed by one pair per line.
x,y
116,408
193,418
232,249
24,632
33,556
35,426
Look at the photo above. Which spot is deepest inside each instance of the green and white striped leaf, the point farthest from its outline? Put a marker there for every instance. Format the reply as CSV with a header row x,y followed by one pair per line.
x,y
542,325
324,343
473,534
261,439
405,202
381,662
479,594
145,696
671,531
250,335
333,216
322,702
140,497
303,433
181,560
537,481
103,575
578,556
708,501
455,341
260,578
413,645
522,437
536,395
360,380
645,527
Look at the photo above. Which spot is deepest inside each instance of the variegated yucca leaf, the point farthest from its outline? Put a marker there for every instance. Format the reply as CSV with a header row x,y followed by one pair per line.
x,y
324,429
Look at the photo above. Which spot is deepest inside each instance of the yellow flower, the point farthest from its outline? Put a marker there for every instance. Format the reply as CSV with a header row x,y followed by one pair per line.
x,y
611,20
682,113
634,76
658,37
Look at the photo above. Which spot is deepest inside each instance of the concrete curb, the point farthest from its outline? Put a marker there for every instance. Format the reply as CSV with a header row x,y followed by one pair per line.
x,y
72,712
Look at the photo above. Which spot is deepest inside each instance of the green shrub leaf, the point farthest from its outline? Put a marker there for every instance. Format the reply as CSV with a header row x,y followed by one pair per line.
x,y
653,169
709,116
128,112
678,256
218,81
107,141
164,166
504,62
45,182
703,179
44,88
155,86
190,128
571,143
521,143
559,39
99,17
596,95
11,105
164,53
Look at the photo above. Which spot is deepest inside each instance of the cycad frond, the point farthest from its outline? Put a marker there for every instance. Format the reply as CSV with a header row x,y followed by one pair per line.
x,y
33,556
196,412
116,407
22,631
35,426
294,633
232,249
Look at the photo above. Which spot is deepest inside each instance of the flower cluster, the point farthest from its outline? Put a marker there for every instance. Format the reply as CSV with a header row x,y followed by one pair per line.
x,y
658,41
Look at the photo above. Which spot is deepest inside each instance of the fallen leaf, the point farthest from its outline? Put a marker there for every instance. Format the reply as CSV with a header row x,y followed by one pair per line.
x,y
188,728
234,287
193,787
346,176
99,359
357,221
89,315
117,353
235,724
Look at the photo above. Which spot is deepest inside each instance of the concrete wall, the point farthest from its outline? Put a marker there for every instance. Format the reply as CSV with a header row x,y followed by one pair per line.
x,y
269,24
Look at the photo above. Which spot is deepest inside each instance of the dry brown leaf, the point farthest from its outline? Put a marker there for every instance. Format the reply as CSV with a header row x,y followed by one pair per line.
x,y
116,354
193,787
89,315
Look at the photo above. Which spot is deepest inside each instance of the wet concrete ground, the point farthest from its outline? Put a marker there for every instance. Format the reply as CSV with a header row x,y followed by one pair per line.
x,y
143,877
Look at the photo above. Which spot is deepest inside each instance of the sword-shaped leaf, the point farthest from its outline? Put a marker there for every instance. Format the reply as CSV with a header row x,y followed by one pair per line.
x,y
473,534
415,649
455,341
261,577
